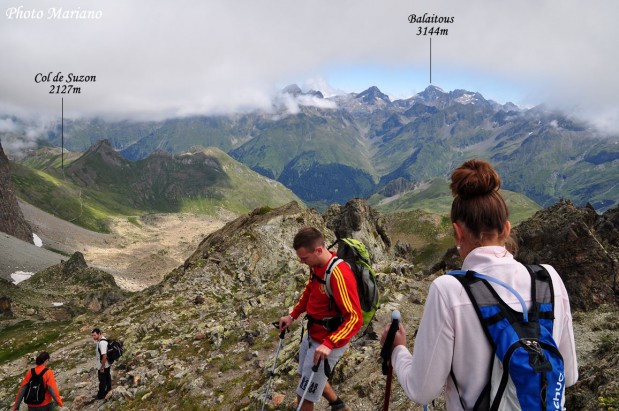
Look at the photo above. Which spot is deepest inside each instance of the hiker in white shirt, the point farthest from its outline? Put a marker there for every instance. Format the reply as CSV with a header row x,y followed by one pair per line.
x,y
103,366
450,336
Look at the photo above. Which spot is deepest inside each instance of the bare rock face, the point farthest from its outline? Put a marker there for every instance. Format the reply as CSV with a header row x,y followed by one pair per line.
x,y
12,220
580,244
607,227
357,219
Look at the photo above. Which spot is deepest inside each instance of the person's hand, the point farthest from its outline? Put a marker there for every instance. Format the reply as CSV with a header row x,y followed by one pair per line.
x,y
285,322
321,352
400,336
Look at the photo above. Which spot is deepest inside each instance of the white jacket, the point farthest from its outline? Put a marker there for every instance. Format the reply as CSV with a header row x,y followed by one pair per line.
x,y
450,334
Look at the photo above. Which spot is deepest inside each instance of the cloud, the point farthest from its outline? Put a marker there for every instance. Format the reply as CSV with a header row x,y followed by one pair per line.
x,y
8,125
20,135
157,59
319,83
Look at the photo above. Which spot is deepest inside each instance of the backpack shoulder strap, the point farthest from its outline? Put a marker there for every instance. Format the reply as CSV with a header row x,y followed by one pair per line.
x,y
542,292
98,349
41,375
34,374
335,261
466,278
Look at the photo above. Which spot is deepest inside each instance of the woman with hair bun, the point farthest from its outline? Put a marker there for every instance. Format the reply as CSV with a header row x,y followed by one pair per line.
x,y
451,344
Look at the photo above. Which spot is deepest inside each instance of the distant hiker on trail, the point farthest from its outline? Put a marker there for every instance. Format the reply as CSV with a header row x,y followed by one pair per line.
x,y
452,349
39,387
103,366
331,322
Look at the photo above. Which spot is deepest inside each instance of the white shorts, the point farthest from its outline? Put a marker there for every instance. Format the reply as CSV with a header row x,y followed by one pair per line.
x,y
306,362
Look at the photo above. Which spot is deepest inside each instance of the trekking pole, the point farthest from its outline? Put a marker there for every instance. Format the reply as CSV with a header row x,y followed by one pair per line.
x,y
314,369
385,353
272,373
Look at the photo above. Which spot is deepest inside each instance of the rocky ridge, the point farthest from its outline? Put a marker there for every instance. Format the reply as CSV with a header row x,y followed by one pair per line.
x,y
61,292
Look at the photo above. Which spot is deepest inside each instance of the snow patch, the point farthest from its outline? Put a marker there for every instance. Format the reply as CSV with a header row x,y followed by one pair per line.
x,y
57,304
466,99
19,276
37,240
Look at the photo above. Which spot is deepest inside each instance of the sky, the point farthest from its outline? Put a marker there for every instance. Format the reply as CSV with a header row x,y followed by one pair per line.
x,y
155,59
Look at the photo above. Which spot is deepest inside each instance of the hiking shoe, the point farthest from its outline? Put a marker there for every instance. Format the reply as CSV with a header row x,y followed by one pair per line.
x,y
341,407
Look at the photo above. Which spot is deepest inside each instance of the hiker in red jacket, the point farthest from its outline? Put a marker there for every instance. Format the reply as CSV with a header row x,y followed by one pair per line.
x,y
49,383
332,322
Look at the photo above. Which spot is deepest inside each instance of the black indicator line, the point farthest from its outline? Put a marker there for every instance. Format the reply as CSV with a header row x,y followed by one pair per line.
x,y
62,133
430,60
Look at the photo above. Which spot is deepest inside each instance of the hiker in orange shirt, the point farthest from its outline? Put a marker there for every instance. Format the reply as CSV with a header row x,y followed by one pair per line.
x,y
49,387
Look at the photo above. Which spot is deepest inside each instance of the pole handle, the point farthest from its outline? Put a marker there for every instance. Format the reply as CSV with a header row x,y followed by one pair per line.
x,y
385,352
283,332
315,367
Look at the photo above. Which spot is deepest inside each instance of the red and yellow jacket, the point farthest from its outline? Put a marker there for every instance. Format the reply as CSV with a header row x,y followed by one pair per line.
x,y
50,385
317,304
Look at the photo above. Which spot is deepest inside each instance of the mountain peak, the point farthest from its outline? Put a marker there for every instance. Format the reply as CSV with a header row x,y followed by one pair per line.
x,y
467,97
432,93
295,91
101,146
292,89
102,151
373,96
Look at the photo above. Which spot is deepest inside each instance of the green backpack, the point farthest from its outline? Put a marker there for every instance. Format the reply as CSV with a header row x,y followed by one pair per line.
x,y
357,256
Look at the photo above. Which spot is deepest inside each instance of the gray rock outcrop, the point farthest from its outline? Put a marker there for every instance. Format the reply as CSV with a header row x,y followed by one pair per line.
x,y
12,220
580,244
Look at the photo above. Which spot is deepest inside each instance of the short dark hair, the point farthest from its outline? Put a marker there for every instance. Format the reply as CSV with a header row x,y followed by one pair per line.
x,y
309,238
42,357
96,330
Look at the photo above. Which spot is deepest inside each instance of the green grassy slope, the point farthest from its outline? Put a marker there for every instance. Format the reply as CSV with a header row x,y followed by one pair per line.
x,y
62,198
435,197
101,184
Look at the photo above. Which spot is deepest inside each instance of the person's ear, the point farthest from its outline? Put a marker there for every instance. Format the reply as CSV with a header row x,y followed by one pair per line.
x,y
458,233
507,229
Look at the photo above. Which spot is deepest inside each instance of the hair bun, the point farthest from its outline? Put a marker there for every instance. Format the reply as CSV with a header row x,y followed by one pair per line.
x,y
474,178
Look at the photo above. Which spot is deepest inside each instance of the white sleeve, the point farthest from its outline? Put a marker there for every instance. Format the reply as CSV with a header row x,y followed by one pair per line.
x,y
424,373
102,347
563,326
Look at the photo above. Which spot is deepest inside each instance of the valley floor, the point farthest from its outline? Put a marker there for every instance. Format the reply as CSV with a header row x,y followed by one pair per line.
x,y
137,252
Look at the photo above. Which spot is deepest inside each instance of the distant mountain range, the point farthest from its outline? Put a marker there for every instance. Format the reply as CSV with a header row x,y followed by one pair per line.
x,y
329,150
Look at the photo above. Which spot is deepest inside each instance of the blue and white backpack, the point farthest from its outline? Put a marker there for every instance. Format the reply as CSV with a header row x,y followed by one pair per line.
x,y
527,371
